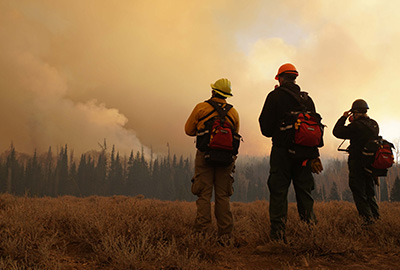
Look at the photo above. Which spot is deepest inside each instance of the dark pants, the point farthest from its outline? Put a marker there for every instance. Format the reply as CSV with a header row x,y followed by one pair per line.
x,y
362,186
283,171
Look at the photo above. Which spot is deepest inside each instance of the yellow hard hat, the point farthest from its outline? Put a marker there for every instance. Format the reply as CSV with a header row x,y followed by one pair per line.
x,y
222,87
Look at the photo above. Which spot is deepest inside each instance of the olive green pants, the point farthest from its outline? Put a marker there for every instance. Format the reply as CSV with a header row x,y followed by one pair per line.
x,y
362,186
206,179
283,171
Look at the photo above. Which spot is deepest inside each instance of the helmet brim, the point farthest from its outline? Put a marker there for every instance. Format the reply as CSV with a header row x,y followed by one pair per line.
x,y
224,94
287,72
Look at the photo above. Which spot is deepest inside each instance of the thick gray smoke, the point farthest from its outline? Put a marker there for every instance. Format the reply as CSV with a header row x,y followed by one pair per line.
x,y
36,111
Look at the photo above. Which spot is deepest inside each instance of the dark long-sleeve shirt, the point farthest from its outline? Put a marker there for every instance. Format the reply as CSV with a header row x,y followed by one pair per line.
x,y
277,104
358,132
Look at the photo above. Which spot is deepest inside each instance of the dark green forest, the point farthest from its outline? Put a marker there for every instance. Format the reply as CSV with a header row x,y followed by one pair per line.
x,y
107,173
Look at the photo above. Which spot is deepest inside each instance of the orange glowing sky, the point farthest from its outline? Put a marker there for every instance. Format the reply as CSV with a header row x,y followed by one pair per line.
x,y
76,72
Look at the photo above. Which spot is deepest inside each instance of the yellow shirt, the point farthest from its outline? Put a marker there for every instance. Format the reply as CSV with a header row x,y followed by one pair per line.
x,y
202,109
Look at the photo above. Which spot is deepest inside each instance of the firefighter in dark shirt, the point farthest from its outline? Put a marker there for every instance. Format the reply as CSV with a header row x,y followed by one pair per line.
x,y
360,130
283,168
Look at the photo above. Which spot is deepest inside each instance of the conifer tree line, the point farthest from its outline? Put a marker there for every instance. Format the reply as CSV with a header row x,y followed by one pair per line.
x,y
106,173
94,173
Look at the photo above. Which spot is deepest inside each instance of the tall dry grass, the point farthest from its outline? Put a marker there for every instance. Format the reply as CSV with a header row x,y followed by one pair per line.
x,y
136,233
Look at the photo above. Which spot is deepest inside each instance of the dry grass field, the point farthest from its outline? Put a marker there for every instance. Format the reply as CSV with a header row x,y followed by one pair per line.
x,y
136,233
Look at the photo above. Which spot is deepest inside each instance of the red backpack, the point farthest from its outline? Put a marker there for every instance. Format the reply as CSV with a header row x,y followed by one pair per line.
x,y
218,139
308,131
221,135
302,129
378,156
383,157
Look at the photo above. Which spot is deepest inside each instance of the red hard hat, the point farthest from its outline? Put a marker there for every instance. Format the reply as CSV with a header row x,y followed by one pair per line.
x,y
286,68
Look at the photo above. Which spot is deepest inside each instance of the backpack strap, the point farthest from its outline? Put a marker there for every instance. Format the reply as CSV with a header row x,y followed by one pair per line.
x,y
369,124
222,111
208,114
301,99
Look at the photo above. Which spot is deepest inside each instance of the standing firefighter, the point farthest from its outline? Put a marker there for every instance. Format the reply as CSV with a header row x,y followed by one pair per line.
x,y
287,116
360,130
215,124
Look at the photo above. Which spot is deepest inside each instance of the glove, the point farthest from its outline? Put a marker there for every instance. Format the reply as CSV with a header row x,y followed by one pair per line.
x,y
316,165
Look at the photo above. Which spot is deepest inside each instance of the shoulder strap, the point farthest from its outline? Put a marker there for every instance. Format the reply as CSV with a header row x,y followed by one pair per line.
x,y
208,114
222,111
371,126
301,99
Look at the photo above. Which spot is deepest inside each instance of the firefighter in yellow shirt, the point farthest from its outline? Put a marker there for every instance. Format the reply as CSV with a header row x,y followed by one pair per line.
x,y
208,177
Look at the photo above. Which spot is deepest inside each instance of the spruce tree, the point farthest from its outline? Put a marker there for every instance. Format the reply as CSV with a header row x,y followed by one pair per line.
x,y
15,174
82,177
33,176
101,174
130,178
395,193
347,195
62,184
334,193
384,190
3,175
48,173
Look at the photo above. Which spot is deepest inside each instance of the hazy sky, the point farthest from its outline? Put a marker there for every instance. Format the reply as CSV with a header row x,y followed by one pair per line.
x,y
79,72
